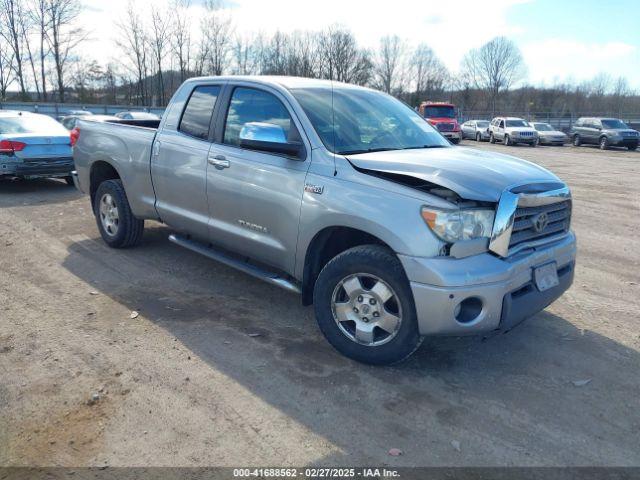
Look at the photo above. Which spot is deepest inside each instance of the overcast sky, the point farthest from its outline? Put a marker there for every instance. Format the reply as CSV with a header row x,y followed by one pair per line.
x,y
560,39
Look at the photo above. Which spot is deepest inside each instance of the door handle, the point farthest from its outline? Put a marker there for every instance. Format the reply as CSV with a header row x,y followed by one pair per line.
x,y
219,161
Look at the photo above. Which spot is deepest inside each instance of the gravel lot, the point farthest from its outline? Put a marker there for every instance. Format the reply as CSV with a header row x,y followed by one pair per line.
x,y
221,369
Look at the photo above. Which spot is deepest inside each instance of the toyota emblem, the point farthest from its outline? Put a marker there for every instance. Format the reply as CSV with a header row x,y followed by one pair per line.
x,y
540,222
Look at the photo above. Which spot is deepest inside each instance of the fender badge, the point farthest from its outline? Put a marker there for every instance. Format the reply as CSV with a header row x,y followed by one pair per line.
x,y
317,189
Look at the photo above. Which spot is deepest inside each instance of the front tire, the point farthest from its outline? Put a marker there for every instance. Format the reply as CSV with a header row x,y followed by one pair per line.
x,y
116,223
478,138
507,141
604,143
69,181
492,139
577,141
364,306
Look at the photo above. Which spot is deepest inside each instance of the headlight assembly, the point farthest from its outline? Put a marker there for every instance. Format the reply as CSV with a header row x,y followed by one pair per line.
x,y
455,225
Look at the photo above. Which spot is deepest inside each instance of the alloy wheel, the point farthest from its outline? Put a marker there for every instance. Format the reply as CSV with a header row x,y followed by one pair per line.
x,y
109,216
366,309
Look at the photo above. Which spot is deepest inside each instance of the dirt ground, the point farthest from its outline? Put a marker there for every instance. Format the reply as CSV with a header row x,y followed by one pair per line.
x,y
221,369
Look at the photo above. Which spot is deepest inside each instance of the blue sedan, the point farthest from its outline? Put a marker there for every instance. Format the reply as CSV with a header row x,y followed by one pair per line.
x,y
34,146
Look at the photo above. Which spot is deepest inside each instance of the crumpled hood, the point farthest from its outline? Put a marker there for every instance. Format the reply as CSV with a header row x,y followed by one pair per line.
x,y
472,174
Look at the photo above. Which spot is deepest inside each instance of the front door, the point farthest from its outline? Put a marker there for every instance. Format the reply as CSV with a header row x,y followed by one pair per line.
x,y
179,165
255,197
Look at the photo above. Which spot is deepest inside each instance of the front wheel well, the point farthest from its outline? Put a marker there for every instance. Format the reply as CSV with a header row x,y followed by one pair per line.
x,y
100,172
326,245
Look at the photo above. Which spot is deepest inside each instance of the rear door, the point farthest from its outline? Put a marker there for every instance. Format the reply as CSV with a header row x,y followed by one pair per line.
x,y
179,163
591,131
255,197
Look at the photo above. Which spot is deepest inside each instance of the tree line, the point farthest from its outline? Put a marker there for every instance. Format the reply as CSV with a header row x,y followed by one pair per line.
x,y
162,45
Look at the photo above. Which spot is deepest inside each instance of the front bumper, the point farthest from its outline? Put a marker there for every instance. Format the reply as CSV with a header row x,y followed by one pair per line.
x,y
624,141
452,135
505,288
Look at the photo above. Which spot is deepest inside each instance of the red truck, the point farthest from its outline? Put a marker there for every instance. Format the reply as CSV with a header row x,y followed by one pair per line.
x,y
442,116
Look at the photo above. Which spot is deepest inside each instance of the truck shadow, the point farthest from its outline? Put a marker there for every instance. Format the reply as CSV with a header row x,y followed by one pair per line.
x,y
16,192
539,394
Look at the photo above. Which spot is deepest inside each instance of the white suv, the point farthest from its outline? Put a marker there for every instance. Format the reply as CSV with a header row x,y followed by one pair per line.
x,y
512,130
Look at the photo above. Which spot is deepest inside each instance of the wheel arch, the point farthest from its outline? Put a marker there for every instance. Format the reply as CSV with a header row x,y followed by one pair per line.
x,y
101,171
325,245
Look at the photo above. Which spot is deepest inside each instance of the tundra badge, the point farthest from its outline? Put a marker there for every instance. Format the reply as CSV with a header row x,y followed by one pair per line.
x,y
311,188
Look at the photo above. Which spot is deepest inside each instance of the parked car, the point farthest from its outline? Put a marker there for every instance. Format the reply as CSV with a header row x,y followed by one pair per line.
x,y
604,132
511,131
137,116
344,195
34,146
477,130
547,135
442,116
70,121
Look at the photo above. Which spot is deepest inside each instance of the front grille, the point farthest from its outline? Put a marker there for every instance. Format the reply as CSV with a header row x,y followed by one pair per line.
x,y
524,226
525,134
446,127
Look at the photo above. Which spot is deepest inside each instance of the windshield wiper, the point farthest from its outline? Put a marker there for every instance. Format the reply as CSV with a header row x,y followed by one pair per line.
x,y
365,150
419,147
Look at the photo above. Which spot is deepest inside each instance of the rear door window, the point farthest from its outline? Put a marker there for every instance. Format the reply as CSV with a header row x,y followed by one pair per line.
x,y
196,118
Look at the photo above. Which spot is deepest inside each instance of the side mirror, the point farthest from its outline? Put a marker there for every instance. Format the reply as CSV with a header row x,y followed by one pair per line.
x,y
270,138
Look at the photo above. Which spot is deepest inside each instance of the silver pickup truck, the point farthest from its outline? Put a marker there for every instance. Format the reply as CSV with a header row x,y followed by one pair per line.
x,y
344,195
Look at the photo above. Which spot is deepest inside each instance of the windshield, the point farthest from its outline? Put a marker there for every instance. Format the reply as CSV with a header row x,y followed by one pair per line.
x,y
31,124
365,121
613,123
482,124
543,127
439,111
517,123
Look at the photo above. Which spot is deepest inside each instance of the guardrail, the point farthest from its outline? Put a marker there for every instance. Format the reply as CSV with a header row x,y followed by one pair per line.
x,y
56,110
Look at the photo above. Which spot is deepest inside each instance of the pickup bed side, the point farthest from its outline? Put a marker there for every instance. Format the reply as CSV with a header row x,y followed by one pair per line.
x,y
111,150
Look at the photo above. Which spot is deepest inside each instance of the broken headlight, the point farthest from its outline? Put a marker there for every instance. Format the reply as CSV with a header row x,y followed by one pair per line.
x,y
455,225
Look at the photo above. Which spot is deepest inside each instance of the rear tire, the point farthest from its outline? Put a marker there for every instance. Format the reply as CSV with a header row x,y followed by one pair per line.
x,y
69,181
118,227
478,138
349,301
632,147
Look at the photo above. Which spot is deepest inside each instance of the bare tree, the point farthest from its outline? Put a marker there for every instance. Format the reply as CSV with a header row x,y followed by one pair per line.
x,y
341,58
40,19
12,17
132,42
494,67
428,72
247,53
216,32
181,36
6,67
389,64
63,36
159,42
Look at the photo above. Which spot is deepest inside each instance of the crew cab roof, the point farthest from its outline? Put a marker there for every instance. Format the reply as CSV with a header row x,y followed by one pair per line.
x,y
282,81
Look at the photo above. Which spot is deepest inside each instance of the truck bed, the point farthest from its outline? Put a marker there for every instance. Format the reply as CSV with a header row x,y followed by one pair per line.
x,y
126,145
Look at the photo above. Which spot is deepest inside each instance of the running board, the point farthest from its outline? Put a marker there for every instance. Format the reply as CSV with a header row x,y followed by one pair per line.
x,y
257,272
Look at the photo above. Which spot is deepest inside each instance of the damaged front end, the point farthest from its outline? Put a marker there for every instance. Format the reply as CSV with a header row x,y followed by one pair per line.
x,y
525,216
